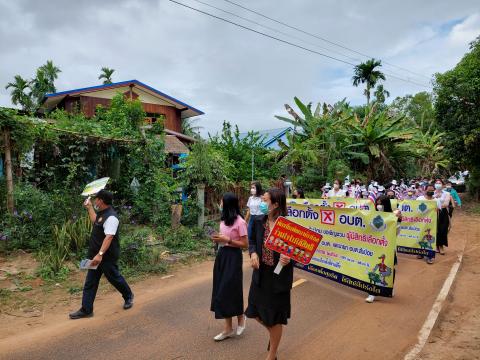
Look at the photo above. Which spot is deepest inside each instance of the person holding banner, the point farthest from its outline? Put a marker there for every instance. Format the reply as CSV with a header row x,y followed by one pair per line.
x,y
337,191
443,202
104,250
383,203
269,296
227,292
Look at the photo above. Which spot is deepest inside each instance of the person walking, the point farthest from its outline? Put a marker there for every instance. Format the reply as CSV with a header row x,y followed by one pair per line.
x,y
384,204
456,201
104,250
227,292
253,204
269,295
443,201
337,191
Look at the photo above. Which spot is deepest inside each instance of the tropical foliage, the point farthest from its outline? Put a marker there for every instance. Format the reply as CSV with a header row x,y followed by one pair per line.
x,y
457,111
367,73
106,74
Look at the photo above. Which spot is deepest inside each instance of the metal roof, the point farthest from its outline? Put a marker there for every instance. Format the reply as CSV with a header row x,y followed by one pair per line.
x,y
183,107
269,136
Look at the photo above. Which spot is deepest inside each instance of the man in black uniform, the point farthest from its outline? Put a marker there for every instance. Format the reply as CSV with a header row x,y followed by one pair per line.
x,y
104,250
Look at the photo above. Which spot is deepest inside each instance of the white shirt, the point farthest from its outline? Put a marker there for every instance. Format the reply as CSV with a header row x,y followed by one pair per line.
x,y
254,205
440,199
110,225
340,192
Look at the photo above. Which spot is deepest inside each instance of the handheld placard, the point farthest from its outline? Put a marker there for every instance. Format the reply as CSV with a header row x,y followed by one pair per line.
x,y
293,241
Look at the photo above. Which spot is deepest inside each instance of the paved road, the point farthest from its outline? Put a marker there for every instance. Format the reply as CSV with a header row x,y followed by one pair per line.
x,y
171,320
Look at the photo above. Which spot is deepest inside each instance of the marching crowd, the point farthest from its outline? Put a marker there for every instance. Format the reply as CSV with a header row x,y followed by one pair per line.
x,y
269,294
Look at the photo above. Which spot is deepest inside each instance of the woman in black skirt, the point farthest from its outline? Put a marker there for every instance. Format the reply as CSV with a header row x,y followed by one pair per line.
x,y
227,293
269,296
443,223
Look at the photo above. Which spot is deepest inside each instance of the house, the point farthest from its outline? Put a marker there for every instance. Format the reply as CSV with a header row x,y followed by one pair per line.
x,y
272,136
156,104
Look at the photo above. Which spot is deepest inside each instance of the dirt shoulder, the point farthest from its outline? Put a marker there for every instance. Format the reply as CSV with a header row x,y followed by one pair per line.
x,y
456,334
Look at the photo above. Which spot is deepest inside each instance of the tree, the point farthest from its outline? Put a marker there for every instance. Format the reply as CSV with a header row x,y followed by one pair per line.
x,y
457,110
44,82
20,93
106,74
383,138
190,128
418,109
366,73
381,94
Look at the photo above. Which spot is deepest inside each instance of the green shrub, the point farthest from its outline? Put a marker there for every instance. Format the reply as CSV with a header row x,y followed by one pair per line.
x,y
184,239
30,227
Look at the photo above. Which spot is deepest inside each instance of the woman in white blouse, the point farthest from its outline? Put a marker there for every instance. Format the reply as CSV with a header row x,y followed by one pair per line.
x,y
253,205
337,191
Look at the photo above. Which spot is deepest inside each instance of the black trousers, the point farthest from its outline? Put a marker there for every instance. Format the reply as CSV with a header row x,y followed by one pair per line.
x,y
110,269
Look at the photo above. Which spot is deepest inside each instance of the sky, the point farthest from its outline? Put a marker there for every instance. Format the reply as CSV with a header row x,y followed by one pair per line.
x,y
230,73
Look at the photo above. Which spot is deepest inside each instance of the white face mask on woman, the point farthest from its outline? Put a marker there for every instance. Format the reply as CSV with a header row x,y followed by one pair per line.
x,y
336,186
253,191
438,186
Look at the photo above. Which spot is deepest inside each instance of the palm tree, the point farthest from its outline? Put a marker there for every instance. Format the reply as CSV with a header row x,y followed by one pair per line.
x,y
190,128
365,73
44,82
381,94
18,93
50,73
106,74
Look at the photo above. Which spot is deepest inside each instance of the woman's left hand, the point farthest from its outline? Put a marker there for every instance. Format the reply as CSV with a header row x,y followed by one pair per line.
x,y
220,238
284,260
397,213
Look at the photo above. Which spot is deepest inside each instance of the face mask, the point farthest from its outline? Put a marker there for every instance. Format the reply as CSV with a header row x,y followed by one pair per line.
x,y
430,193
263,208
449,187
221,209
253,191
294,196
96,208
391,196
438,186
336,186
379,207
410,193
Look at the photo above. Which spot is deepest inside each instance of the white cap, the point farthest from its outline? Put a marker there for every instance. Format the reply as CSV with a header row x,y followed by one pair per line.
x,y
394,182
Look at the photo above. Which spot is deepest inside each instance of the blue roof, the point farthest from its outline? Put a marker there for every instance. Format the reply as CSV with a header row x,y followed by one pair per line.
x,y
119,84
270,136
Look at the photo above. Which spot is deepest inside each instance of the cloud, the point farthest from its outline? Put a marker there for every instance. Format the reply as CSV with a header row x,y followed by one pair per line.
x,y
230,73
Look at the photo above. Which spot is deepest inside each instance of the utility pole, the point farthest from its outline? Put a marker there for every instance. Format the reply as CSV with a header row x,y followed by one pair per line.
x,y
253,164
8,169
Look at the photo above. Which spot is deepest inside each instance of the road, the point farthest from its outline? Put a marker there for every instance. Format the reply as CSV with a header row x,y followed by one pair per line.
x,y
171,320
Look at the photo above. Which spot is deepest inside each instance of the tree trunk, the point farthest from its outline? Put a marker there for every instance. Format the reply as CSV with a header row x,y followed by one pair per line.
x,y
8,169
201,204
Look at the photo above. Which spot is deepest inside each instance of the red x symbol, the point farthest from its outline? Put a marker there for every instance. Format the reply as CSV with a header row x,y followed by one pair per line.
x,y
328,217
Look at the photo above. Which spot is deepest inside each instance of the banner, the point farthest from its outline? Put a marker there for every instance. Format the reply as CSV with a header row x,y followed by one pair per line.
x,y
357,247
293,240
418,230
336,202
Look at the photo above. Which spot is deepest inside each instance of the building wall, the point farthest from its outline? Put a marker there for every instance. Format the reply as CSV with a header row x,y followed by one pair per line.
x,y
88,104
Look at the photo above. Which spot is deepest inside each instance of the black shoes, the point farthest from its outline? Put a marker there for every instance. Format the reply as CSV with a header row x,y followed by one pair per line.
x,y
128,303
80,314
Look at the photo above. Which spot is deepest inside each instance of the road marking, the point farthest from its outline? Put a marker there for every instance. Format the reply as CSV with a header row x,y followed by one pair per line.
x,y
298,282
434,312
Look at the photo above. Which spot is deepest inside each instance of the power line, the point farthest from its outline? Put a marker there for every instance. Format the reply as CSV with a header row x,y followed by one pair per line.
x,y
285,41
287,34
277,31
320,37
